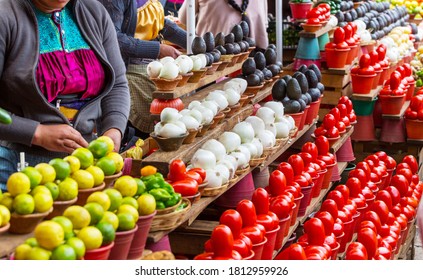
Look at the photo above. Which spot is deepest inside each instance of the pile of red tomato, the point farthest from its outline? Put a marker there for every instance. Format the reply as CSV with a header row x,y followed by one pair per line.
x,y
319,14
185,181
415,110
337,120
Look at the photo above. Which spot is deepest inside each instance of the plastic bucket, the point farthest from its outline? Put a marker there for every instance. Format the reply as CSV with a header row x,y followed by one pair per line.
x,y
391,105
243,189
101,253
300,10
334,251
318,183
352,54
410,90
339,239
258,249
384,76
376,79
269,246
295,209
393,131
364,130
140,237
336,58
298,120
162,245
363,108
414,129
305,202
328,176
362,83
123,242
290,240
313,111
346,152
304,117
283,224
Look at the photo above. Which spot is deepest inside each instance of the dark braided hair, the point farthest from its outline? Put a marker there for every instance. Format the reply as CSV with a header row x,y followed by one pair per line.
x,y
241,9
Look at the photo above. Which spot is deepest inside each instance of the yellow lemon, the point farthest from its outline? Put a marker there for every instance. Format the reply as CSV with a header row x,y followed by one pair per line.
x,y
22,251
126,208
84,179
49,234
43,202
78,245
7,201
79,216
118,159
66,224
98,174
73,162
126,222
38,253
47,171
126,185
40,189
131,201
146,204
108,141
68,189
5,215
91,236
24,204
101,198
18,183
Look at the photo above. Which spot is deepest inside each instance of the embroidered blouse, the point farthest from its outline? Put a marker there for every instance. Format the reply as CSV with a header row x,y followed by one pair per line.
x,y
66,65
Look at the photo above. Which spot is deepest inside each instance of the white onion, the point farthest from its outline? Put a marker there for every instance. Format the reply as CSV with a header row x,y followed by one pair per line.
x,y
272,128
245,151
212,105
256,142
169,115
203,159
197,115
252,148
170,71
230,140
291,122
245,131
216,148
232,96
282,129
277,107
229,165
190,122
203,59
241,159
257,124
194,104
207,115
154,68
166,59
157,127
197,63
266,114
223,171
233,85
185,64
242,82
214,178
219,97
266,139
180,124
232,160
171,130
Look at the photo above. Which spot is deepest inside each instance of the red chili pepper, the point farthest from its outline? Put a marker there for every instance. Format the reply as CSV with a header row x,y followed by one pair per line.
x,y
186,187
277,183
177,170
315,230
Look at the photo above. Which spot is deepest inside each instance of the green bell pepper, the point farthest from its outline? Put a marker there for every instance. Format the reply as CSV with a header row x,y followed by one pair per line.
x,y
176,197
160,205
160,194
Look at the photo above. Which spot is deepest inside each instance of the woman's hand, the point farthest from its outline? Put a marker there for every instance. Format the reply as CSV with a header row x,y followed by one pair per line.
x,y
116,136
166,50
58,138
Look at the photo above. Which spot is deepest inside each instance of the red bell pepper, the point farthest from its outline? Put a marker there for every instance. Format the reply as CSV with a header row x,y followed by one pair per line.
x,y
177,170
194,175
200,171
186,187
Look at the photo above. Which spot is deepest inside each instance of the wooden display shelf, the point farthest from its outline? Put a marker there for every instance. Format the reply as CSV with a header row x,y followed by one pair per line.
x,y
369,96
317,34
400,115
402,254
189,87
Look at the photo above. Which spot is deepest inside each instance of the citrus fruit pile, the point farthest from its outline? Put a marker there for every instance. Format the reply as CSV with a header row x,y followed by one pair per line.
x,y
53,239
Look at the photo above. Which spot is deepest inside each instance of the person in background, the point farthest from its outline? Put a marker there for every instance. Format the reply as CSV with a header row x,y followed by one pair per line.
x,y
221,15
140,26
172,7
61,79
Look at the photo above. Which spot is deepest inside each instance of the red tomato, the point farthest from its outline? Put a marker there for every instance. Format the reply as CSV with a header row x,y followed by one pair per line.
x,y
336,113
337,197
364,166
330,206
307,158
287,170
233,220
354,185
385,196
401,183
412,162
407,173
332,132
373,217
327,220
338,35
364,61
281,207
260,200
315,231
359,174
321,130
322,144
194,175
368,238
391,163
381,209
313,21
342,108
177,170
200,171
341,126
248,213
186,187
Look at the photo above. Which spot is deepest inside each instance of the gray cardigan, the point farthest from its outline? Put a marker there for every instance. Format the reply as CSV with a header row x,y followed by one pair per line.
x,y
20,95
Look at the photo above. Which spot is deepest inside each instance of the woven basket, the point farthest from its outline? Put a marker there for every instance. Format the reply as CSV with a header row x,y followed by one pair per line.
x,y
234,179
168,209
214,191
257,161
293,132
243,170
280,142
268,151
170,220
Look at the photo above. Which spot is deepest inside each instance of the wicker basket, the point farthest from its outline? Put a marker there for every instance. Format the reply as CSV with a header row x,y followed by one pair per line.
x,y
293,132
215,191
280,142
268,151
234,179
242,171
168,210
257,161
170,220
